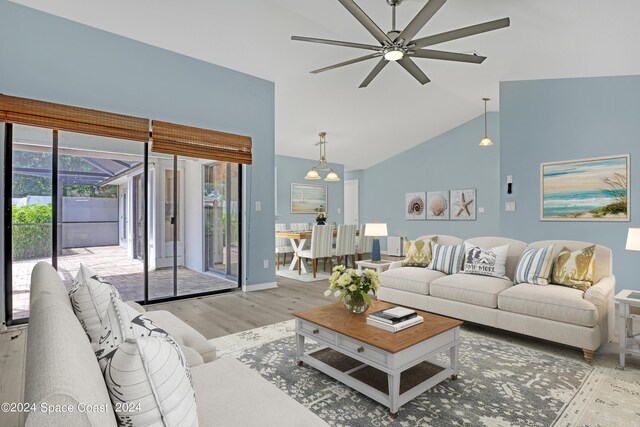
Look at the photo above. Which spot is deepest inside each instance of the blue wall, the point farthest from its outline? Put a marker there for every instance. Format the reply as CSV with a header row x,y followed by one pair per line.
x,y
551,120
450,161
292,170
53,59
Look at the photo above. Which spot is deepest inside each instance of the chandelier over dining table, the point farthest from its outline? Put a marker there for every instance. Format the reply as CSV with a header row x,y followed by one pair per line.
x,y
322,165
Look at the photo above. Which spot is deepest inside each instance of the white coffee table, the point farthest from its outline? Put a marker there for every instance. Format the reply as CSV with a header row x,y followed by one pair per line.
x,y
628,311
390,368
378,266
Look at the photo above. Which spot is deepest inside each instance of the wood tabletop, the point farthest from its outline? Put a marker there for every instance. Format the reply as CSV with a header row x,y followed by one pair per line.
x,y
336,318
298,235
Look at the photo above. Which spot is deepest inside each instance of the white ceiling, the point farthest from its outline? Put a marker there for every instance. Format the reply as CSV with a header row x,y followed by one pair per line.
x,y
547,39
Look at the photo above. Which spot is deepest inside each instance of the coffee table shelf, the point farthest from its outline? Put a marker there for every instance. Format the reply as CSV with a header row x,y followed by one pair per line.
x,y
373,361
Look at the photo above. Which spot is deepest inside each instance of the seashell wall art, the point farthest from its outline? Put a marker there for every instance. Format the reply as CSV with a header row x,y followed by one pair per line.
x,y
438,205
415,206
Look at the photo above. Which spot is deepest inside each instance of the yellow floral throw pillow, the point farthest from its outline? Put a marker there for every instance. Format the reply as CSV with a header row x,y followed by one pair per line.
x,y
418,252
574,269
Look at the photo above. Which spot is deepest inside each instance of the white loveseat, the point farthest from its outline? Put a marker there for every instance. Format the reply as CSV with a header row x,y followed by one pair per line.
x,y
555,313
61,369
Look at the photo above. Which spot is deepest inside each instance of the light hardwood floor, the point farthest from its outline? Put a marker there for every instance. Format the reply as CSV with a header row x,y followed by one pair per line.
x,y
219,315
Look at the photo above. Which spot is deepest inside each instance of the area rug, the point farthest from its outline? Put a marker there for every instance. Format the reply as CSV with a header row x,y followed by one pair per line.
x,y
308,277
500,384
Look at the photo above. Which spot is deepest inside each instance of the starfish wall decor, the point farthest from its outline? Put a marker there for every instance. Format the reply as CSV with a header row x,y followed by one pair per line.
x,y
463,203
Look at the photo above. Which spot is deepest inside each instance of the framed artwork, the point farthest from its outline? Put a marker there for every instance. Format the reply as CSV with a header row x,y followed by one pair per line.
x,y
438,205
415,206
595,189
463,205
307,198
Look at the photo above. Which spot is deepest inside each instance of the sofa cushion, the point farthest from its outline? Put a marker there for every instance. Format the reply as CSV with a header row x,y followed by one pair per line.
x,y
183,333
551,302
418,252
447,259
410,279
149,384
225,383
485,262
535,266
90,297
574,269
470,289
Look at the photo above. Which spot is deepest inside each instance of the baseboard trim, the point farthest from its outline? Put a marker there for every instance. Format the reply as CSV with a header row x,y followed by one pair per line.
x,y
259,287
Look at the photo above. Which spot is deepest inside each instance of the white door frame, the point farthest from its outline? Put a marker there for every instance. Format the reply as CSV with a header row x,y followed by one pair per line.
x,y
351,203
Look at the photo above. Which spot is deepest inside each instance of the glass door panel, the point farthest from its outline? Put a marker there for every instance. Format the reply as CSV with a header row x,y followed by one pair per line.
x,y
31,209
101,187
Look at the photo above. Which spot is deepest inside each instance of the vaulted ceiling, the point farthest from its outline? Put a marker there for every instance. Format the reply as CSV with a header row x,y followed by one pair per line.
x,y
547,39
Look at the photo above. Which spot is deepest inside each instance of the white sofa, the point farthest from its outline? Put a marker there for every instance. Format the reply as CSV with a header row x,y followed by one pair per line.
x,y
555,313
61,369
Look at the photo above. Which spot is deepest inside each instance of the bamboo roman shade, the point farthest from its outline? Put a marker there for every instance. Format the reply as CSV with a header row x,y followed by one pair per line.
x,y
180,140
72,119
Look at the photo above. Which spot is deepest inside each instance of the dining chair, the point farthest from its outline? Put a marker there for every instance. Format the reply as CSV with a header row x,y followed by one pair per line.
x,y
320,247
364,243
346,244
283,246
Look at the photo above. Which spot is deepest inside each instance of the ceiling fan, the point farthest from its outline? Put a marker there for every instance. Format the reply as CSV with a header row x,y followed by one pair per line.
x,y
400,46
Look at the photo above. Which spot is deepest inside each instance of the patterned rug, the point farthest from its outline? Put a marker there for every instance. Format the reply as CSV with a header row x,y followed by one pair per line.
x,y
308,277
500,384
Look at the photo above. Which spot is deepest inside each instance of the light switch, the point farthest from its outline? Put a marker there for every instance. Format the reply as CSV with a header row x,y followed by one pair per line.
x,y
339,211
258,206
510,206
480,210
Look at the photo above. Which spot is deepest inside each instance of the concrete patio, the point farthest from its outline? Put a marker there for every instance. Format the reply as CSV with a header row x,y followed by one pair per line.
x,y
127,275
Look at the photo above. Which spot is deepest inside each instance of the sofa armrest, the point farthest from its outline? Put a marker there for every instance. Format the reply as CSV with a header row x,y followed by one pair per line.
x,y
395,264
601,295
137,307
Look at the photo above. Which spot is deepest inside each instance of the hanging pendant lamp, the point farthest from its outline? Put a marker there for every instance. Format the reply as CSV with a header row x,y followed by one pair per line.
x,y
322,165
485,141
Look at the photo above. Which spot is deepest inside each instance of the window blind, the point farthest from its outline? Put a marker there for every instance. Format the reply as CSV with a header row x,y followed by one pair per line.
x,y
32,112
181,140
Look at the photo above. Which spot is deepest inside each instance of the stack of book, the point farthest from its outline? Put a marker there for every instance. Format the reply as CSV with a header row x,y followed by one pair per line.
x,y
394,319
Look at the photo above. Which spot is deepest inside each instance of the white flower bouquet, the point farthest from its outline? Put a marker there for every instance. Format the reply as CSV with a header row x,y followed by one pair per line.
x,y
353,286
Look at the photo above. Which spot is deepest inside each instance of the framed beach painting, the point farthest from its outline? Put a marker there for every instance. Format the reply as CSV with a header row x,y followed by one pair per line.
x,y
307,198
438,205
585,190
414,206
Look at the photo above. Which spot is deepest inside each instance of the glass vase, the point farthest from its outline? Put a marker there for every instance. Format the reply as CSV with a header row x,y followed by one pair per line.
x,y
356,306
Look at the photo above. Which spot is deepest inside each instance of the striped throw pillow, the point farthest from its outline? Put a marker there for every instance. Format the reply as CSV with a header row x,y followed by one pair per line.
x,y
447,259
535,266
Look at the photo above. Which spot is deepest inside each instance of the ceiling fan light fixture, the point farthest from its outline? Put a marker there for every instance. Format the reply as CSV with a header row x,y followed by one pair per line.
x,y
393,55
312,174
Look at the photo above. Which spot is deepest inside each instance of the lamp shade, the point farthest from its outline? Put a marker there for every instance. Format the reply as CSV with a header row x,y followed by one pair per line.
x,y
332,176
312,174
485,142
375,229
633,239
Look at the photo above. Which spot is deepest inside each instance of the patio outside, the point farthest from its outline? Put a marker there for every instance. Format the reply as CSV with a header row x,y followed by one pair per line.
x,y
126,274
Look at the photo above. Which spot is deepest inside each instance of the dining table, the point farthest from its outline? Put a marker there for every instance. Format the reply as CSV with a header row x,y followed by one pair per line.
x,y
298,238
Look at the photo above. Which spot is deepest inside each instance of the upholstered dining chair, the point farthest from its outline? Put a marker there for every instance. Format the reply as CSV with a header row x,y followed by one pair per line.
x,y
346,244
320,247
283,246
301,226
364,243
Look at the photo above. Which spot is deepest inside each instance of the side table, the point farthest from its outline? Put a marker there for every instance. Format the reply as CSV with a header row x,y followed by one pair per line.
x,y
628,311
378,266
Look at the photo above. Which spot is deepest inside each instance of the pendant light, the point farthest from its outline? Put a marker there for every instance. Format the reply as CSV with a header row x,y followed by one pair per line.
x,y
322,165
485,141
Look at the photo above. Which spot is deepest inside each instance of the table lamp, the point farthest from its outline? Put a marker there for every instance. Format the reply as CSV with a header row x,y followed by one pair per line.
x,y
633,239
375,230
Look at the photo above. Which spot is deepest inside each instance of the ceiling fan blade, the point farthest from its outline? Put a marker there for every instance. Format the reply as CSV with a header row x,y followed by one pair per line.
x,y
336,43
376,70
349,62
367,22
461,33
414,70
420,20
447,56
